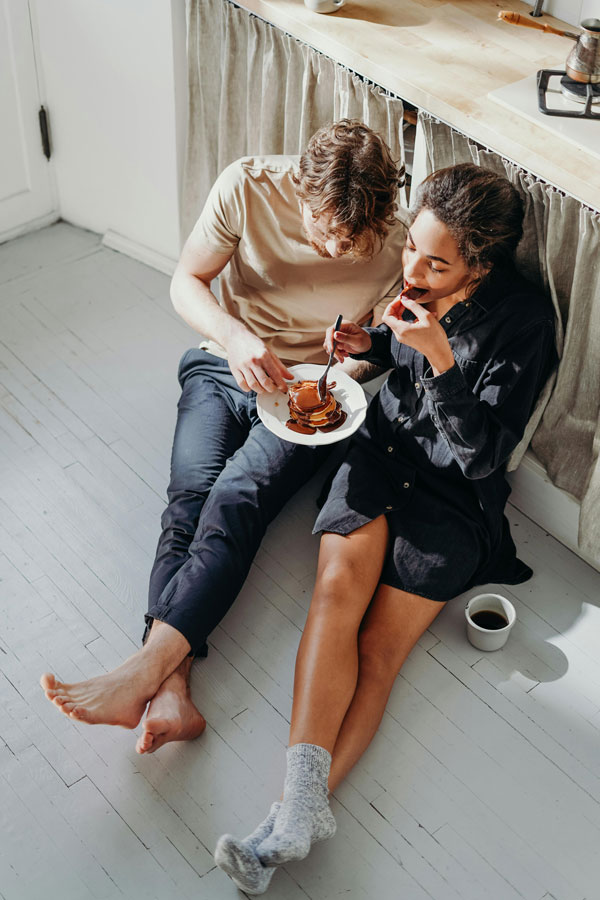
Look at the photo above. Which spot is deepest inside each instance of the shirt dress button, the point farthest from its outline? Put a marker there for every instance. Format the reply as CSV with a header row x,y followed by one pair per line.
x,y
417,384
447,319
406,484
400,419
390,449
389,507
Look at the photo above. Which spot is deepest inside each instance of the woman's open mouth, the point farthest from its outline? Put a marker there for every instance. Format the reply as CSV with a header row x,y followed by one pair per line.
x,y
414,293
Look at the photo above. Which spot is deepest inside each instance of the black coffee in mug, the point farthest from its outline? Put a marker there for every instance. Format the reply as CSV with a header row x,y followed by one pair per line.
x,y
488,618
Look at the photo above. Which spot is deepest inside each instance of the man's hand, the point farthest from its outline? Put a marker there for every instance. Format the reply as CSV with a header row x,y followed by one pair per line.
x,y
350,338
425,334
253,365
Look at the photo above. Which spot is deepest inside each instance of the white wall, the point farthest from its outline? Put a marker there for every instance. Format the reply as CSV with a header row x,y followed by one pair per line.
x,y
572,11
113,79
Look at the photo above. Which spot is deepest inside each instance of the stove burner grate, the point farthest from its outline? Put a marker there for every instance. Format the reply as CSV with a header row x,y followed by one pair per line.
x,y
579,91
586,94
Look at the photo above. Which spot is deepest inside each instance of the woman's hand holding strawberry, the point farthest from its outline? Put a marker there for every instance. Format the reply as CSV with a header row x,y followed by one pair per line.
x,y
424,333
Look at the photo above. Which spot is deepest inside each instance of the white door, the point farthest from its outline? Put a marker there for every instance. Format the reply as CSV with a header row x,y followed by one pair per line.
x,y
26,192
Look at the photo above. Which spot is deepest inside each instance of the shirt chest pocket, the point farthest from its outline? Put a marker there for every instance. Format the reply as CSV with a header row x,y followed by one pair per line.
x,y
406,383
471,369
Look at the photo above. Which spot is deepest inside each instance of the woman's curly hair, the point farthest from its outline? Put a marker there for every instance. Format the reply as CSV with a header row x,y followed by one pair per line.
x,y
482,211
348,173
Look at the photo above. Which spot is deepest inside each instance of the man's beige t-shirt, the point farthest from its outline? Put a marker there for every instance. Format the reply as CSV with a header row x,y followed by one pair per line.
x,y
275,282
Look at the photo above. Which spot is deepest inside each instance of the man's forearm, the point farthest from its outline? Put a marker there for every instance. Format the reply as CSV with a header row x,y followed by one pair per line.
x,y
194,301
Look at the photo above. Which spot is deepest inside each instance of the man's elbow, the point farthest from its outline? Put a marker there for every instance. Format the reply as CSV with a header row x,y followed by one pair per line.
x,y
177,290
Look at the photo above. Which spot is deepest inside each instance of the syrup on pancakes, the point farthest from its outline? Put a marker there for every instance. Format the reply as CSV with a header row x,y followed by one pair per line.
x,y
308,413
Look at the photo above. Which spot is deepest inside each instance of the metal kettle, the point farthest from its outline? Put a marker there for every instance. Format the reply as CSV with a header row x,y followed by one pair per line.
x,y
583,62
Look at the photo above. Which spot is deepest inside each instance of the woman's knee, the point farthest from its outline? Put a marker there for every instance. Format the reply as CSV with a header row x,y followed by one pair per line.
x,y
339,586
353,561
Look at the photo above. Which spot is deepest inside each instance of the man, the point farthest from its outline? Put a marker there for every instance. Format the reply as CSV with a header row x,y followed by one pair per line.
x,y
296,241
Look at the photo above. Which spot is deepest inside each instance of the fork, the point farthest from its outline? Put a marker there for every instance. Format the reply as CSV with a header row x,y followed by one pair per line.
x,y
322,383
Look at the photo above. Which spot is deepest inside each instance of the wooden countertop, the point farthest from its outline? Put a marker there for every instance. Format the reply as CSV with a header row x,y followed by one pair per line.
x,y
444,58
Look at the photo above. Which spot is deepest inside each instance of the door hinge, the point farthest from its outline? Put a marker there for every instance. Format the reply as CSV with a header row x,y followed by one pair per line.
x,y
43,117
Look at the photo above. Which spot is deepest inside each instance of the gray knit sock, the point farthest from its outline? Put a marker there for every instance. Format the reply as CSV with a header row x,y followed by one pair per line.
x,y
304,816
239,858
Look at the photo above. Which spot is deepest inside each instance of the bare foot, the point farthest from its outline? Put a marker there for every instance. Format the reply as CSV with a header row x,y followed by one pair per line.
x,y
117,698
171,715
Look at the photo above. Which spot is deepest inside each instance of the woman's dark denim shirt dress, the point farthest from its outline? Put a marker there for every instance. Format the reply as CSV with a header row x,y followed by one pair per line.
x,y
438,445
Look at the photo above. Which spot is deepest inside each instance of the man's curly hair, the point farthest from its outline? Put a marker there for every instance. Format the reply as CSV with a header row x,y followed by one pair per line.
x,y
347,172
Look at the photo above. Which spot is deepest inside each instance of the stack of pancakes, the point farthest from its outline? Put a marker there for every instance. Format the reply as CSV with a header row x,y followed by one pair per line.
x,y
309,413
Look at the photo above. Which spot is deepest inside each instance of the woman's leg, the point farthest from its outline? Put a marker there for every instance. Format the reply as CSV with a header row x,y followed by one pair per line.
x,y
326,672
325,682
393,624
348,570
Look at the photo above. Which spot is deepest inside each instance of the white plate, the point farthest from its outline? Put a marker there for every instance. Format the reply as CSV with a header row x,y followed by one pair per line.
x,y
274,412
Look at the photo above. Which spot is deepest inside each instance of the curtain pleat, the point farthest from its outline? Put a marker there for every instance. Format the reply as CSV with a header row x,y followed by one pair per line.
x,y
254,90
559,251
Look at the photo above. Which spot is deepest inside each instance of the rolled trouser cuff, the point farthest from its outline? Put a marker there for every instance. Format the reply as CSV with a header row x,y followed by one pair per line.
x,y
198,645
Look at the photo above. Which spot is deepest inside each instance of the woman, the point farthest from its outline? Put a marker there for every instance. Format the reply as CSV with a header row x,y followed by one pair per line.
x,y
414,515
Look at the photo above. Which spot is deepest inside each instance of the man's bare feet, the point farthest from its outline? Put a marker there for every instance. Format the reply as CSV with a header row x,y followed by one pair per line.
x,y
117,698
120,696
171,714
105,700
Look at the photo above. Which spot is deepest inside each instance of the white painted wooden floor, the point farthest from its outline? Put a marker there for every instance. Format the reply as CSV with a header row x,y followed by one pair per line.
x,y
484,779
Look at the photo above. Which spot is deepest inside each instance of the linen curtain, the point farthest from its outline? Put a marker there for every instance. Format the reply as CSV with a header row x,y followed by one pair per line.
x,y
255,90
560,251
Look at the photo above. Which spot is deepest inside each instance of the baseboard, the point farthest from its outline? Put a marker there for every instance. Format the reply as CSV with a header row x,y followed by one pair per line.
x,y
34,225
152,258
549,507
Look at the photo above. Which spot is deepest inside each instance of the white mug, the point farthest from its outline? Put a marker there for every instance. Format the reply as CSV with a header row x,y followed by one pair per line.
x,y
324,6
485,638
